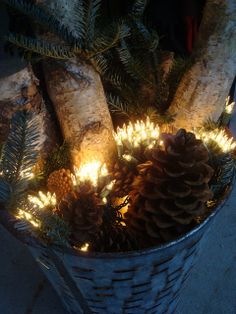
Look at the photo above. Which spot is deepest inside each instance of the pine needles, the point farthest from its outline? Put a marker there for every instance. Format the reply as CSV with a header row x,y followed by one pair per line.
x,y
20,152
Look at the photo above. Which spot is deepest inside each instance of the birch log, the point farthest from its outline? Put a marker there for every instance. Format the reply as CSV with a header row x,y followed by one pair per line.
x,y
203,89
76,91
19,91
77,94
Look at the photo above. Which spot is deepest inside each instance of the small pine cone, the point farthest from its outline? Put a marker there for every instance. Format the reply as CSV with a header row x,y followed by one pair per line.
x,y
60,183
123,176
83,211
116,238
171,189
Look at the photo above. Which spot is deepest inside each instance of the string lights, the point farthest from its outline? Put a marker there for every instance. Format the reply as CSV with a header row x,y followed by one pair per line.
x,y
229,107
220,138
43,200
141,133
91,172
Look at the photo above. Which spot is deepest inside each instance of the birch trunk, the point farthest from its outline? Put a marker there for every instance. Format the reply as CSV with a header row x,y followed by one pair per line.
x,y
19,91
76,91
79,101
203,89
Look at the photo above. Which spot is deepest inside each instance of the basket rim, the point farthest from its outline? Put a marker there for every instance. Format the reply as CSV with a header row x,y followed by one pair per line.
x,y
7,220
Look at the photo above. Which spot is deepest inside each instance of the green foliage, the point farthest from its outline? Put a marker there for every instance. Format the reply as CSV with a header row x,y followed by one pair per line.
x,y
20,152
41,47
224,166
78,28
43,17
138,8
58,159
50,227
5,192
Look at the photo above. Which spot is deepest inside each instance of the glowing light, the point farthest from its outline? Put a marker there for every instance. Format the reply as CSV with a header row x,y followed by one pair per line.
x,y
230,107
91,171
43,200
127,157
84,248
220,137
27,174
104,199
27,216
134,135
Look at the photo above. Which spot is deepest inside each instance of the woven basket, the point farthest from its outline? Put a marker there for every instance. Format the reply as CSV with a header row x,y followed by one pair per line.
x,y
145,282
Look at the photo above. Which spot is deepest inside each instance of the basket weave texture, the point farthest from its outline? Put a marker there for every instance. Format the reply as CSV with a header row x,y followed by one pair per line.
x,y
145,282
138,282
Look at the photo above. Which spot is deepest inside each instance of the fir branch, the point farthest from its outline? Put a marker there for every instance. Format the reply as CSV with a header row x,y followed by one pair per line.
x,y
134,67
179,67
5,192
110,38
72,14
117,106
41,47
43,17
138,8
59,158
21,150
91,14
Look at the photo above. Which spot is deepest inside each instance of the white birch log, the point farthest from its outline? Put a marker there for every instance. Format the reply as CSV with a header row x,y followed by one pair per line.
x,y
203,89
76,91
19,91
77,94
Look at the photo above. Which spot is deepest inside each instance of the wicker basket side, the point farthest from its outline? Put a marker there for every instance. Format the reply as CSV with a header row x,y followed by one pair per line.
x,y
145,282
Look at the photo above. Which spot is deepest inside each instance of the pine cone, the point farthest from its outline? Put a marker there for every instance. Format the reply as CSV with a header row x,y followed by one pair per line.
x,y
171,189
116,238
124,177
83,211
60,183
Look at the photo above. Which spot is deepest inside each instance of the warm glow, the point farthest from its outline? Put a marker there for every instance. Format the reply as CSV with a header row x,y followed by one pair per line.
x,y
230,107
91,171
84,248
127,157
134,135
220,137
43,200
27,174
26,216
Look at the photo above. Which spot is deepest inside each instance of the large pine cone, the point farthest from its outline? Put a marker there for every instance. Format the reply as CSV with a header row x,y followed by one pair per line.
x,y
60,183
83,211
116,238
124,177
171,189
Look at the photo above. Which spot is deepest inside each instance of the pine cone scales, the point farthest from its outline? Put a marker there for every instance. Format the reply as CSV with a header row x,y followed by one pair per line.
x,y
83,210
115,239
123,177
60,183
171,189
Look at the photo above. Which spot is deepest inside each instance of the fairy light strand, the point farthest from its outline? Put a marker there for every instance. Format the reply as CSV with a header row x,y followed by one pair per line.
x,y
91,172
219,136
137,134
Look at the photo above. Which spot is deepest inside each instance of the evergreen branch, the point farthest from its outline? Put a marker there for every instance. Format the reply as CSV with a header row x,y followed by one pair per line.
x,y
149,38
71,13
138,8
41,47
100,63
132,66
79,17
21,150
117,106
105,42
91,12
43,17
5,192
